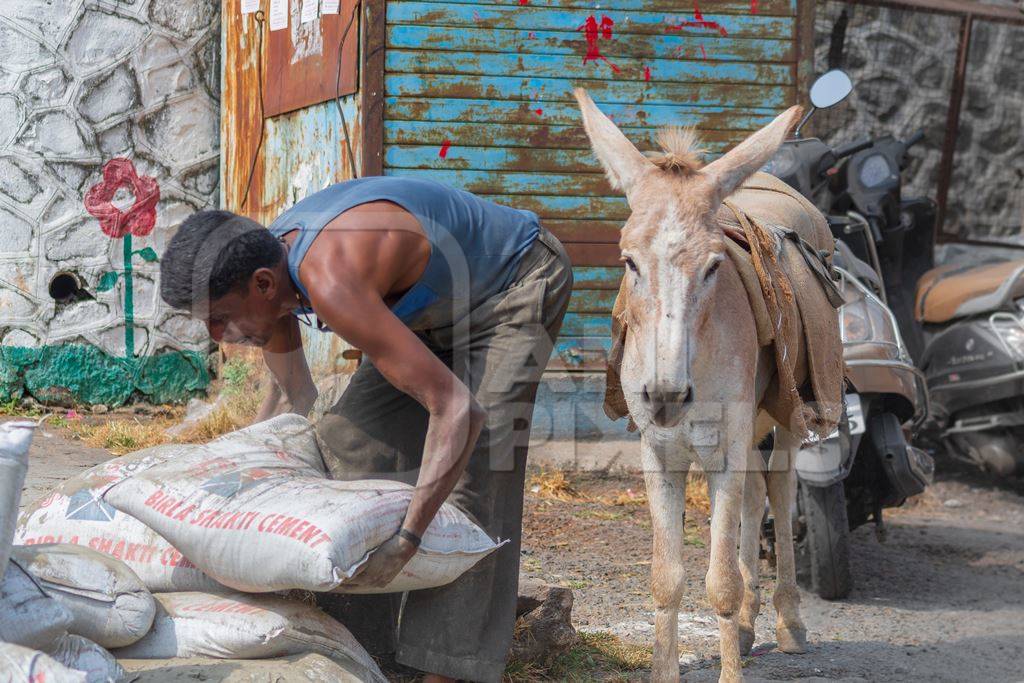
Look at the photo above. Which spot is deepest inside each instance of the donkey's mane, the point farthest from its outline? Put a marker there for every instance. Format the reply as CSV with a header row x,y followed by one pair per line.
x,y
680,151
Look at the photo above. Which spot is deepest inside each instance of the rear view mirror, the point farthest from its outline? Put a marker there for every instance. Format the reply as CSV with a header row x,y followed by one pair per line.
x,y
831,88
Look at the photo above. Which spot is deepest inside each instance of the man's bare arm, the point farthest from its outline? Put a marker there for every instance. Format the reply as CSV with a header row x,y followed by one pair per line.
x,y
292,389
456,419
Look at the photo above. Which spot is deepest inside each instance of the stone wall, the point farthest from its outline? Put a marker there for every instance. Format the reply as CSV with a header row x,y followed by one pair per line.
x,y
986,197
903,63
82,83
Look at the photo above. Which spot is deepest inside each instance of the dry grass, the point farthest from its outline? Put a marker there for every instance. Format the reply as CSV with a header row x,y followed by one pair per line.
x,y
237,405
121,436
594,656
697,492
555,485
224,419
627,498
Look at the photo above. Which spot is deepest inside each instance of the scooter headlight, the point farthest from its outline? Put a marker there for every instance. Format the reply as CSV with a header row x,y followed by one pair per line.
x,y
865,320
1011,331
881,323
856,325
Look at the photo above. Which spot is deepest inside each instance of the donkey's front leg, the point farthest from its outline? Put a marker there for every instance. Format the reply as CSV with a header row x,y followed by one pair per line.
x,y
750,548
724,581
665,476
790,632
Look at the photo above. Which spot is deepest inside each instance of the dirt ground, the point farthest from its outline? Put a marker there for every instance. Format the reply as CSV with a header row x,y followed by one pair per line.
x,y
941,600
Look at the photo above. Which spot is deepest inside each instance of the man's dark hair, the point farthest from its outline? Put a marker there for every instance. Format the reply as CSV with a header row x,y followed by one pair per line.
x,y
212,253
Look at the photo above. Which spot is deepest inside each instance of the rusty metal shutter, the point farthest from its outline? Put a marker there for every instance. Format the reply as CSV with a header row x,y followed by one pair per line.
x,y
479,96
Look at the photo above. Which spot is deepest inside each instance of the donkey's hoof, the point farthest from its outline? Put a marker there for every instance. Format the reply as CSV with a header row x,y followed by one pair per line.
x,y
792,641
746,641
730,677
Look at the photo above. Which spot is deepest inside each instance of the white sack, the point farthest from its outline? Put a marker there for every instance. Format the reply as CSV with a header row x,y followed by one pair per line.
x,y
266,523
85,656
107,601
15,438
28,616
241,626
75,511
24,665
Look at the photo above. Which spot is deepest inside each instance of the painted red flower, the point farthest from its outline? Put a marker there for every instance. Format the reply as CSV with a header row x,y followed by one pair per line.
x,y
137,220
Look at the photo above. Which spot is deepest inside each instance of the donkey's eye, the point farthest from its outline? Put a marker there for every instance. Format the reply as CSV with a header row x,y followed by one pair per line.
x,y
712,269
630,264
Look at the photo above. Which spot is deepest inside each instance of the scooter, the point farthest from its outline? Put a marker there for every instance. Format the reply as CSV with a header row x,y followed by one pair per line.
x,y
868,464
964,324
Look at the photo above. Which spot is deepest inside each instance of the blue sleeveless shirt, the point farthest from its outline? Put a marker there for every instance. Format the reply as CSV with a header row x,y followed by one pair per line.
x,y
475,245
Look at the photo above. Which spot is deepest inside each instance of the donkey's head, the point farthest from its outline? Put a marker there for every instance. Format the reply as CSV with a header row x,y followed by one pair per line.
x,y
672,247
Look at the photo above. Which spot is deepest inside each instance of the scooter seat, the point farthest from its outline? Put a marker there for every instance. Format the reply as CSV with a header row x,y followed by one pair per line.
x,y
954,290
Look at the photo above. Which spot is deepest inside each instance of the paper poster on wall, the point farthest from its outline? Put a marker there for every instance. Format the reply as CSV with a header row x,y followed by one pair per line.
x,y
330,6
250,6
296,77
309,11
278,14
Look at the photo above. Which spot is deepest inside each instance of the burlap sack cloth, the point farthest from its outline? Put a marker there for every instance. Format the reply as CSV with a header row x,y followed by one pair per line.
x,y
782,247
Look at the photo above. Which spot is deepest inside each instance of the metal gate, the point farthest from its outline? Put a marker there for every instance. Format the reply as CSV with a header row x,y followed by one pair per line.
x,y
953,69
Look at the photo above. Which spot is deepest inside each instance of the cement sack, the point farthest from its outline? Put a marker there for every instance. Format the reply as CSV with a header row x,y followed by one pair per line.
x,y
75,512
24,665
15,438
28,616
242,626
85,656
262,524
107,601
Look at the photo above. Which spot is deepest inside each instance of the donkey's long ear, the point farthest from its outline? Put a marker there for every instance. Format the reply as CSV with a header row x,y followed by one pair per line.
x,y
729,171
621,160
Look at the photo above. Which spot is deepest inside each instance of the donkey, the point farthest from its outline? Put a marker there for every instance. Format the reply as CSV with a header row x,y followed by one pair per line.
x,y
690,359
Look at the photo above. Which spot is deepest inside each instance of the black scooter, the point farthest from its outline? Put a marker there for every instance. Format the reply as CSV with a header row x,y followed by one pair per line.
x,y
869,464
964,325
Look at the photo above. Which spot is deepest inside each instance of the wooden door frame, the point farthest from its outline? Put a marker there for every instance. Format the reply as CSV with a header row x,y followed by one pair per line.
x,y
373,43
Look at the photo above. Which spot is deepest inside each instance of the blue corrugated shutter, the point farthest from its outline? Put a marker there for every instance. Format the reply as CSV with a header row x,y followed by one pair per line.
x,y
492,84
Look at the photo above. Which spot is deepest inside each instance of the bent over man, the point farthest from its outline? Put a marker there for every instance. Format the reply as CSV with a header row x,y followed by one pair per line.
x,y
455,302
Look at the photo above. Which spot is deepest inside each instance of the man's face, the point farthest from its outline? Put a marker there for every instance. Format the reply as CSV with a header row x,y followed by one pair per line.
x,y
245,315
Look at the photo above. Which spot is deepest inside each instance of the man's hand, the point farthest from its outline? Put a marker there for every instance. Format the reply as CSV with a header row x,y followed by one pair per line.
x,y
277,403
384,564
291,384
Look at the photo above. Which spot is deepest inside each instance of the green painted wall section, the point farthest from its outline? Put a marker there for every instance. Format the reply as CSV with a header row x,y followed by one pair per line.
x,y
82,374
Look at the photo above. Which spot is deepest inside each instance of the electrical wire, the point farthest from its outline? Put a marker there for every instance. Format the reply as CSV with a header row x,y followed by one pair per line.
x,y
337,91
258,16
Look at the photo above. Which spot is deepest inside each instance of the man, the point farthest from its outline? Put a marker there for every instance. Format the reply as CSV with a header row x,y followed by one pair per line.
x,y
455,303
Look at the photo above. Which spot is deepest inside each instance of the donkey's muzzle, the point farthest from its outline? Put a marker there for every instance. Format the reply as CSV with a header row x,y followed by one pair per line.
x,y
666,407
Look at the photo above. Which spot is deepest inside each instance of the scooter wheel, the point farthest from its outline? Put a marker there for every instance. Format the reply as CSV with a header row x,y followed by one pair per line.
x,y
823,554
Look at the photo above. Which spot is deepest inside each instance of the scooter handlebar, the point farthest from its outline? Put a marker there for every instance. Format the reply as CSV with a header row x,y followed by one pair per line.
x,y
914,139
852,148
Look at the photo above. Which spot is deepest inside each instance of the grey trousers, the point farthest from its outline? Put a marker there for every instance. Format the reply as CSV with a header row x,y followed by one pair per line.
x,y
464,629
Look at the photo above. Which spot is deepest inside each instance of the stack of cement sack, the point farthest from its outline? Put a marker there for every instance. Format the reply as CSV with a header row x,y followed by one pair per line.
x,y
205,527
46,611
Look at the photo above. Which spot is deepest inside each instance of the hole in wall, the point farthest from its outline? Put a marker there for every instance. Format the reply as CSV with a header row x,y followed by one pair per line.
x,y
66,287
